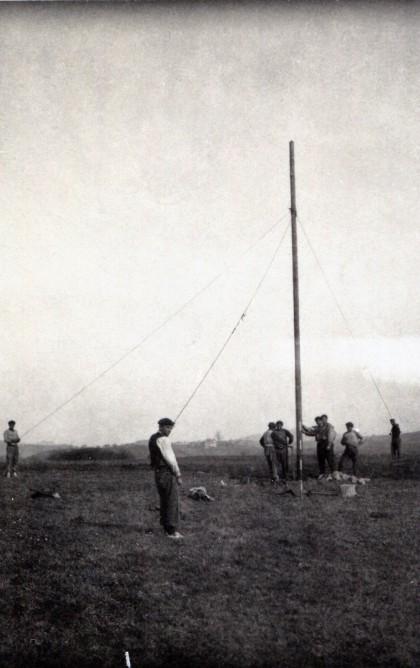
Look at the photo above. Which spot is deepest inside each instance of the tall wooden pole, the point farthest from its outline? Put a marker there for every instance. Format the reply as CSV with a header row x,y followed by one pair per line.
x,y
298,379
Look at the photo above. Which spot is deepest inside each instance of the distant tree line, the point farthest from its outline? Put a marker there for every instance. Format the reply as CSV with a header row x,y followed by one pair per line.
x,y
91,453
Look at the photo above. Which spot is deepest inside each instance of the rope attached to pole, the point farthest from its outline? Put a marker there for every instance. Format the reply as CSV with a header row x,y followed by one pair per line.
x,y
342,315
157,329
235,327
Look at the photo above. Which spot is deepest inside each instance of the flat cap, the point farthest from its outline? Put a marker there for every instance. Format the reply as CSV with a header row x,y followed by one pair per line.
x,y
166,422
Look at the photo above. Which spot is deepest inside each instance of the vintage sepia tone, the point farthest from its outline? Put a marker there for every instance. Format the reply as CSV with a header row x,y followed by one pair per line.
x,y
209,240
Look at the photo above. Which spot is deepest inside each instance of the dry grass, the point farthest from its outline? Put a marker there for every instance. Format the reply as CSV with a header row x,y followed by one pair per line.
x,y
260,579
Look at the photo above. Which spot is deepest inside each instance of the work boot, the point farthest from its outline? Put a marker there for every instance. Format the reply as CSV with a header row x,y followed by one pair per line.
x,y
8,474
15,474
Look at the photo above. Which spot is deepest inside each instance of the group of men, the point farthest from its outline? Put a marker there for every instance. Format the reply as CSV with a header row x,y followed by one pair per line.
x,y
325,435
276,440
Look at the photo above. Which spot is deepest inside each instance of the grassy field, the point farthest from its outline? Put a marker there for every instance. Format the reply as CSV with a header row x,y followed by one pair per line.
x,y
260,579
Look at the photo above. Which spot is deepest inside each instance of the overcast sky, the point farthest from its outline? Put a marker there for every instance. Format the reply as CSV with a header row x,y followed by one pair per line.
x,y
144,148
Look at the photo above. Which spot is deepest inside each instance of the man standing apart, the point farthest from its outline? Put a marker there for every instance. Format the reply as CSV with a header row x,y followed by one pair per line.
x,y
167,477
266,441
395,434
11,438
282,439
351,439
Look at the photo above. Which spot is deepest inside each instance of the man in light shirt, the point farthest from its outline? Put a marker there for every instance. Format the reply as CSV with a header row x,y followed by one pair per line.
x,y
167,477
317,432
351,439
325,435
11,438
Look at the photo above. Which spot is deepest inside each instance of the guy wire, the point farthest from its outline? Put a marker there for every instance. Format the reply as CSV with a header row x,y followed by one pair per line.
x,y
158,328
342,313
236,325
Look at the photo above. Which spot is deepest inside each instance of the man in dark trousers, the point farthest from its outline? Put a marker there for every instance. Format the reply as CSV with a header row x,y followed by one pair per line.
x,y
266,441
316,432
282,439
11,438
325,435
328,437
167,477
351,439
395,434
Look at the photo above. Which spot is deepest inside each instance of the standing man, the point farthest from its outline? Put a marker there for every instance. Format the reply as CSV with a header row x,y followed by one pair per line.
x,y
11,438
316,431
329,434
351,439
167,477
266,441
325,435
282,439
395,434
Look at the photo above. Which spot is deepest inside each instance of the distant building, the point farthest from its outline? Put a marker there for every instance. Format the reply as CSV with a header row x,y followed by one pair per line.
x,y
210,443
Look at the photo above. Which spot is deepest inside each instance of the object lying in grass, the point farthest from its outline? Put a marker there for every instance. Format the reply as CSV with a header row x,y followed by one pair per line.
x,y
310,492
348,489
286,491
49,493
198,493
342,477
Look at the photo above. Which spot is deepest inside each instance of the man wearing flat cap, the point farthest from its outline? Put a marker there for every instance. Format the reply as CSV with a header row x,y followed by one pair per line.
x,y
266,441
11,438
167,477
